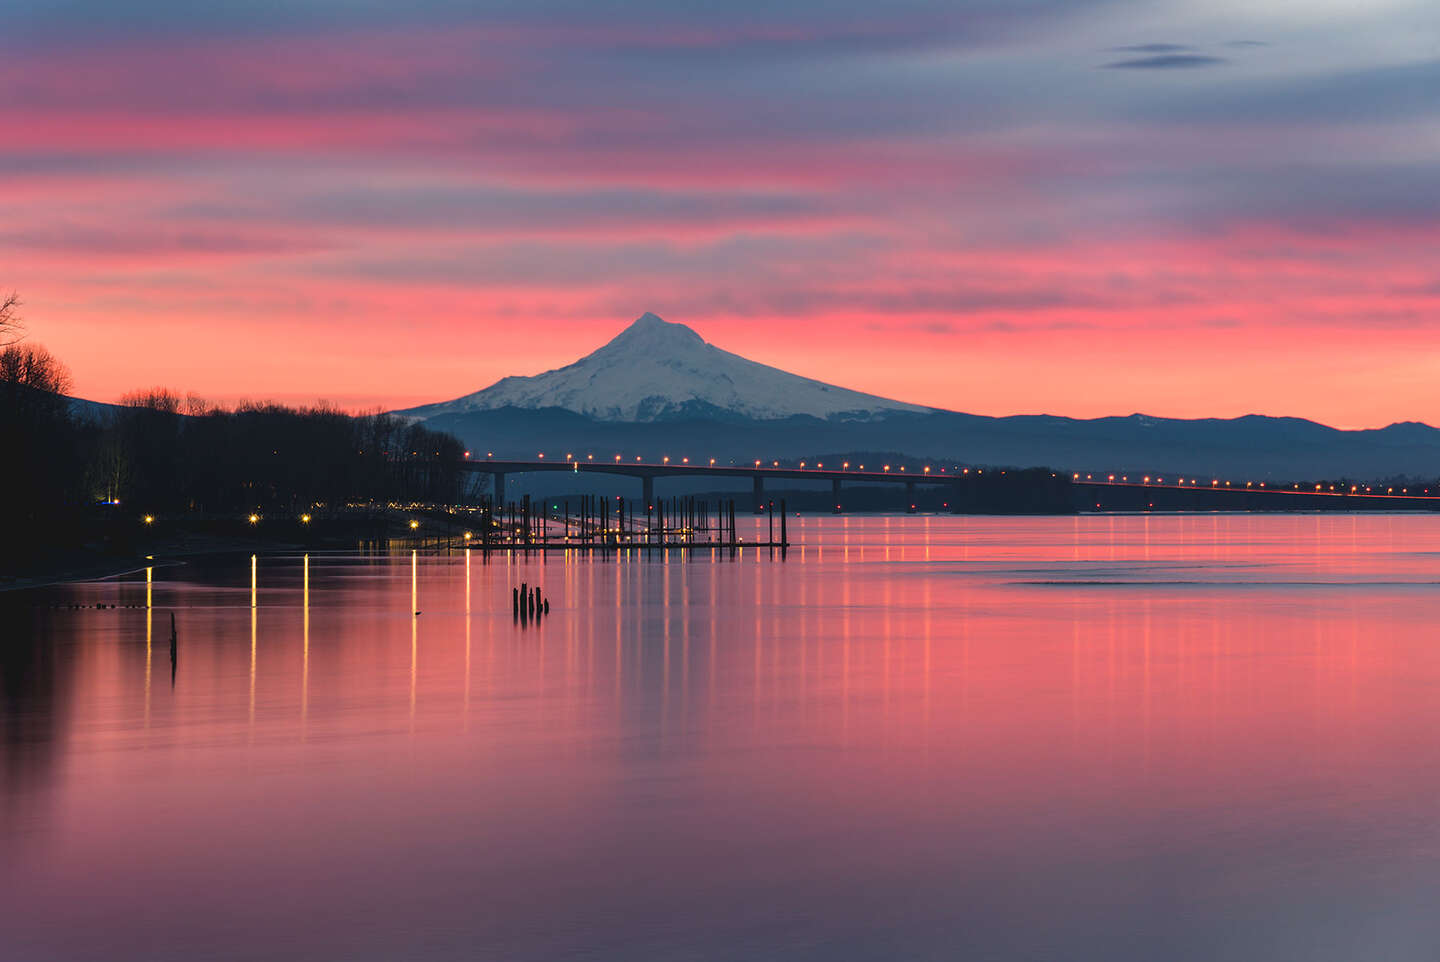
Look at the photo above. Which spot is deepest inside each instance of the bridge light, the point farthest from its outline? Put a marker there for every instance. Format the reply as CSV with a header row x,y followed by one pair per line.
x,y
489,454
887,467
757,462
1112,477
845,466
1147,479
1076,476
684,460
568,457
666,459
617,459
712,462
467,455
541,455
927,469
802,464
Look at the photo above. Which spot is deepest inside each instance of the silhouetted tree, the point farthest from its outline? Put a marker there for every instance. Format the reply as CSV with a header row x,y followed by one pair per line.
x,y
31,366
38,436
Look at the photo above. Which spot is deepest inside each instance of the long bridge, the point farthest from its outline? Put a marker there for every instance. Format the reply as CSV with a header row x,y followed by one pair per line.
x,y
1145,493
1090,492
757,473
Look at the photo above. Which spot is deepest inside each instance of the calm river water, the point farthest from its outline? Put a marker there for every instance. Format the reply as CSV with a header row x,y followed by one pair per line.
x,y
1113,738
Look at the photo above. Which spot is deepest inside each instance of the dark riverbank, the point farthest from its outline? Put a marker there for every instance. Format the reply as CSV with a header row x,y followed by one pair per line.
x,y
100,546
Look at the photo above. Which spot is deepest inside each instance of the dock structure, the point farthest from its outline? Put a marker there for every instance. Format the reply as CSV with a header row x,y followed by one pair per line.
x,y
594,523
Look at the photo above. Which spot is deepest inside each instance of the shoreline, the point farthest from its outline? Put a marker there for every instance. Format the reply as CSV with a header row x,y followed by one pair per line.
x,y
81,566
98,572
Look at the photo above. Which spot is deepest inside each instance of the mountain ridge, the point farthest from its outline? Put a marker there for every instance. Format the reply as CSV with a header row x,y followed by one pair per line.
x,y
519,416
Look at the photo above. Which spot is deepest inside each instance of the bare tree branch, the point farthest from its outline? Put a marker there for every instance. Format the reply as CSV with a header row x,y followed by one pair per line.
x,y
11,330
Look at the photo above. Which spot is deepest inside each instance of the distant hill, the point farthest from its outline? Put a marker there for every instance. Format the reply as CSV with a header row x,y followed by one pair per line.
x,y
659,389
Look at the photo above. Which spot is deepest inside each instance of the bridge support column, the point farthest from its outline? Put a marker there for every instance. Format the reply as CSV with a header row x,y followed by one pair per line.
x,y
499,490
909,497
647,490
955,498
835,493
759,493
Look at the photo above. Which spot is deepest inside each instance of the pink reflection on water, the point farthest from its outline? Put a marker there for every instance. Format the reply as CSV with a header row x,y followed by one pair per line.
x,y
1120,737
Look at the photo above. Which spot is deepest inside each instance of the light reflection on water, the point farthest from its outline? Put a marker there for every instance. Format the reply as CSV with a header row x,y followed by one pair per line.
x,y
1124,737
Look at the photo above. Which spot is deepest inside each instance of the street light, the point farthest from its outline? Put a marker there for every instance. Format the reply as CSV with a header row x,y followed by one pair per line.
x,y
254,519
304,519
149,519
414,525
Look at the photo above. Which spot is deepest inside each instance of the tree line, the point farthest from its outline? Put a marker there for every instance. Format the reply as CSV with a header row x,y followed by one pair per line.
x,y
158,452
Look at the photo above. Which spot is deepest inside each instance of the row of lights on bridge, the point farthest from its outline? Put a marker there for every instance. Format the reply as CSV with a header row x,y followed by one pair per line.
x,y
758,462
1216,483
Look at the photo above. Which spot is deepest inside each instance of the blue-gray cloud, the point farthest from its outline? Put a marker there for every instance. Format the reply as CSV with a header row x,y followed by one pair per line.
x,y
1152,48
1167,61
1368,95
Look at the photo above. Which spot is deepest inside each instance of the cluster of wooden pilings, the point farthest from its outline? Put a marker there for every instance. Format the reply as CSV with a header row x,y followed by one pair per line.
x,y
603,523
527,604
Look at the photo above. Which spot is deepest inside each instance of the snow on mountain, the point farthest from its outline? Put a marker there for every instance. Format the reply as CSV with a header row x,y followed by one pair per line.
x,y
655,370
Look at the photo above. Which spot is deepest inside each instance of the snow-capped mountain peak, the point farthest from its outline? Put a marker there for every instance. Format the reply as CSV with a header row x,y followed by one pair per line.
x,y
655,370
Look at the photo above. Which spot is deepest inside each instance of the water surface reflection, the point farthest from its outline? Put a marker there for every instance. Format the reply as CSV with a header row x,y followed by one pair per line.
x,y
1085,738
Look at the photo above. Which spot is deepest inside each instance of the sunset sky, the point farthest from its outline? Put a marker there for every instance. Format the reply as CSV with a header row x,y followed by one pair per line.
x,y
1184,207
